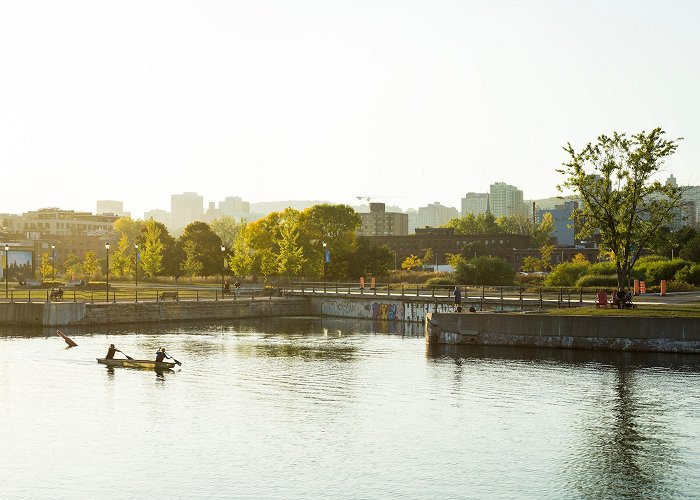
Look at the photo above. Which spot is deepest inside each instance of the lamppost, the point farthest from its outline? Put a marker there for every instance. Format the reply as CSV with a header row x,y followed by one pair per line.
x,y
107,248
7,268
325,261
53,261
223,268
136,258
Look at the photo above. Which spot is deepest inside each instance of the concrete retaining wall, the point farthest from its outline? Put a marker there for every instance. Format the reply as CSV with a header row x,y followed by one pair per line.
x,y
81,313
576,332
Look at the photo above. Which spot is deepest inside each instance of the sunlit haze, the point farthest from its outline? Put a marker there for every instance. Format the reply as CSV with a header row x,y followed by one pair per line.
x,y
406,102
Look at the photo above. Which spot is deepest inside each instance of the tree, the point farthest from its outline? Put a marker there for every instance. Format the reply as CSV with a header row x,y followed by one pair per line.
x,y
622,202
371,260
73,265
531,264
290,259
122,257
207,246
411,262
227,229
474,224
192,265
171,253
691,250
241,261
485,271
46,266
126,226
152,251
429,257
90,263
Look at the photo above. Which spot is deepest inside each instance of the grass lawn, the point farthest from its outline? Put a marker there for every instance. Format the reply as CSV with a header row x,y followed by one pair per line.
x,y
645,311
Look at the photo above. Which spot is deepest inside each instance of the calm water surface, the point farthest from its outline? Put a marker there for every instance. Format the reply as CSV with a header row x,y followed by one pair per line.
x,y
322,408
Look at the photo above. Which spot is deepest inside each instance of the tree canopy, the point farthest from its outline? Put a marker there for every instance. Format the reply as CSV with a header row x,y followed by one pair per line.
x,y
623,203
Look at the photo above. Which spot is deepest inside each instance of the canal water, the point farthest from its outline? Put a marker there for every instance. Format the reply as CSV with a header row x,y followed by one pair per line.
x,y
324,408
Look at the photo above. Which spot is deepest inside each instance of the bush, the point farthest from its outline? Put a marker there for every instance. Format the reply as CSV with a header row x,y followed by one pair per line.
x,y
655,271
566,274
530,279
597,280
689,274
485,271
603,268
441,280
673,286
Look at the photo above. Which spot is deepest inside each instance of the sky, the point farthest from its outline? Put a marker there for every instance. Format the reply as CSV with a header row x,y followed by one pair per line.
x,y
401,101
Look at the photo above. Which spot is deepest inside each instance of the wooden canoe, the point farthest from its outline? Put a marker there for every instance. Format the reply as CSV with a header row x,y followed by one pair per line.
x,y
137,363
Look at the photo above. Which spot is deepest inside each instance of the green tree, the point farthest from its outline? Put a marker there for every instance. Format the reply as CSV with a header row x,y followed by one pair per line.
x,y
290,259
152,250
46,267
567,273
126,226
429,257
226,228
207,246
370,260
90,266
621,201
474,224
73,266
122,257
531,264
171,251
691,250
485,271
192,265
241,260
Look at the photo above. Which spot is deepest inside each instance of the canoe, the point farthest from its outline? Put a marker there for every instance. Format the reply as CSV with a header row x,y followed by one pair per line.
x,y
137,363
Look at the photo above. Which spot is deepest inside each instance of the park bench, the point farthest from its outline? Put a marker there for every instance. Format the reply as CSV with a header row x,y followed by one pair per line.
x,y
168,295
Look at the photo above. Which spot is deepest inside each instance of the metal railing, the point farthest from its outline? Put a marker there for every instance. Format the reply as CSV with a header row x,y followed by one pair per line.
x,y
477,296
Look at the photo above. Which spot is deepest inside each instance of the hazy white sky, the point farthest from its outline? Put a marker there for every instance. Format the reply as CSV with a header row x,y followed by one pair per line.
x,y
408,102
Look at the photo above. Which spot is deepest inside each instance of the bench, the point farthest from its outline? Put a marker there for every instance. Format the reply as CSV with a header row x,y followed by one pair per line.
x,y
168,295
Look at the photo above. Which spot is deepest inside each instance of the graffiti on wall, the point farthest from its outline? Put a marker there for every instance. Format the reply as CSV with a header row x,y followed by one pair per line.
x,y
385,311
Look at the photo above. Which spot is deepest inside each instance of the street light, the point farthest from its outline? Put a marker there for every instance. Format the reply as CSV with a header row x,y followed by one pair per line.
x,y
107,248
325,261
53,261
7,268
223,268
136,258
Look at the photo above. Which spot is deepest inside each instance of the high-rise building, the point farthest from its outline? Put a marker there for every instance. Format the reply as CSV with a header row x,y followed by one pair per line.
x,y
475,204
379,222
505,199
436,215
184,209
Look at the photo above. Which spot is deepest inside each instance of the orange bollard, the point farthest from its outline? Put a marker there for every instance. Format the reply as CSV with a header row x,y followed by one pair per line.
x,y
362,282
374,283
636,287
642,287
663,288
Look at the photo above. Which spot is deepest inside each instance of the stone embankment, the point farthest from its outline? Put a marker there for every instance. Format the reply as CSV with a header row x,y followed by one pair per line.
x,y
84,313
680,335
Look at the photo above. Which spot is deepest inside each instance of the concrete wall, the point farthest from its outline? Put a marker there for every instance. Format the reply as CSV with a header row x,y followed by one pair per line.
x,y
81,313
374,307
577,332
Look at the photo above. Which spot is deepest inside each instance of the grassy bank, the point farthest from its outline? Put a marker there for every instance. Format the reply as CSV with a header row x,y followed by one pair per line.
x,y
647,311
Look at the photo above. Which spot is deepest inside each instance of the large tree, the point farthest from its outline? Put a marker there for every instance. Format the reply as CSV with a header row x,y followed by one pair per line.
x,y
623,202
207,247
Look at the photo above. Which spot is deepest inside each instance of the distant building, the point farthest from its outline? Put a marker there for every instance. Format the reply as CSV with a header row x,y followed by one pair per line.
x,y
184,209
436,215
691,200
111,207
162,216
235,207
564,230
379,222
506,200
475,204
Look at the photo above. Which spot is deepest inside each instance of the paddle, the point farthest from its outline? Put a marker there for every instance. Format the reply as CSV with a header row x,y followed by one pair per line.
x,y
127,356
176,361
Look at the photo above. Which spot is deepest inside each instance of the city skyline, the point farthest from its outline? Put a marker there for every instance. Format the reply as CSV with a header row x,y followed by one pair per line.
x,y
406,104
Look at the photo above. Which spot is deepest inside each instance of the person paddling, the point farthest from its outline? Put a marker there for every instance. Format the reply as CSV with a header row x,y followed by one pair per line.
x,y
161,355
111,351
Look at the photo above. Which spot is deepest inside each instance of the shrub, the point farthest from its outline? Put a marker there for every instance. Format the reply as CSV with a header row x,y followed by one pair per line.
x,y
597,280
603,268
689,274
441,280
485,271
566,274
655,271
673,286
